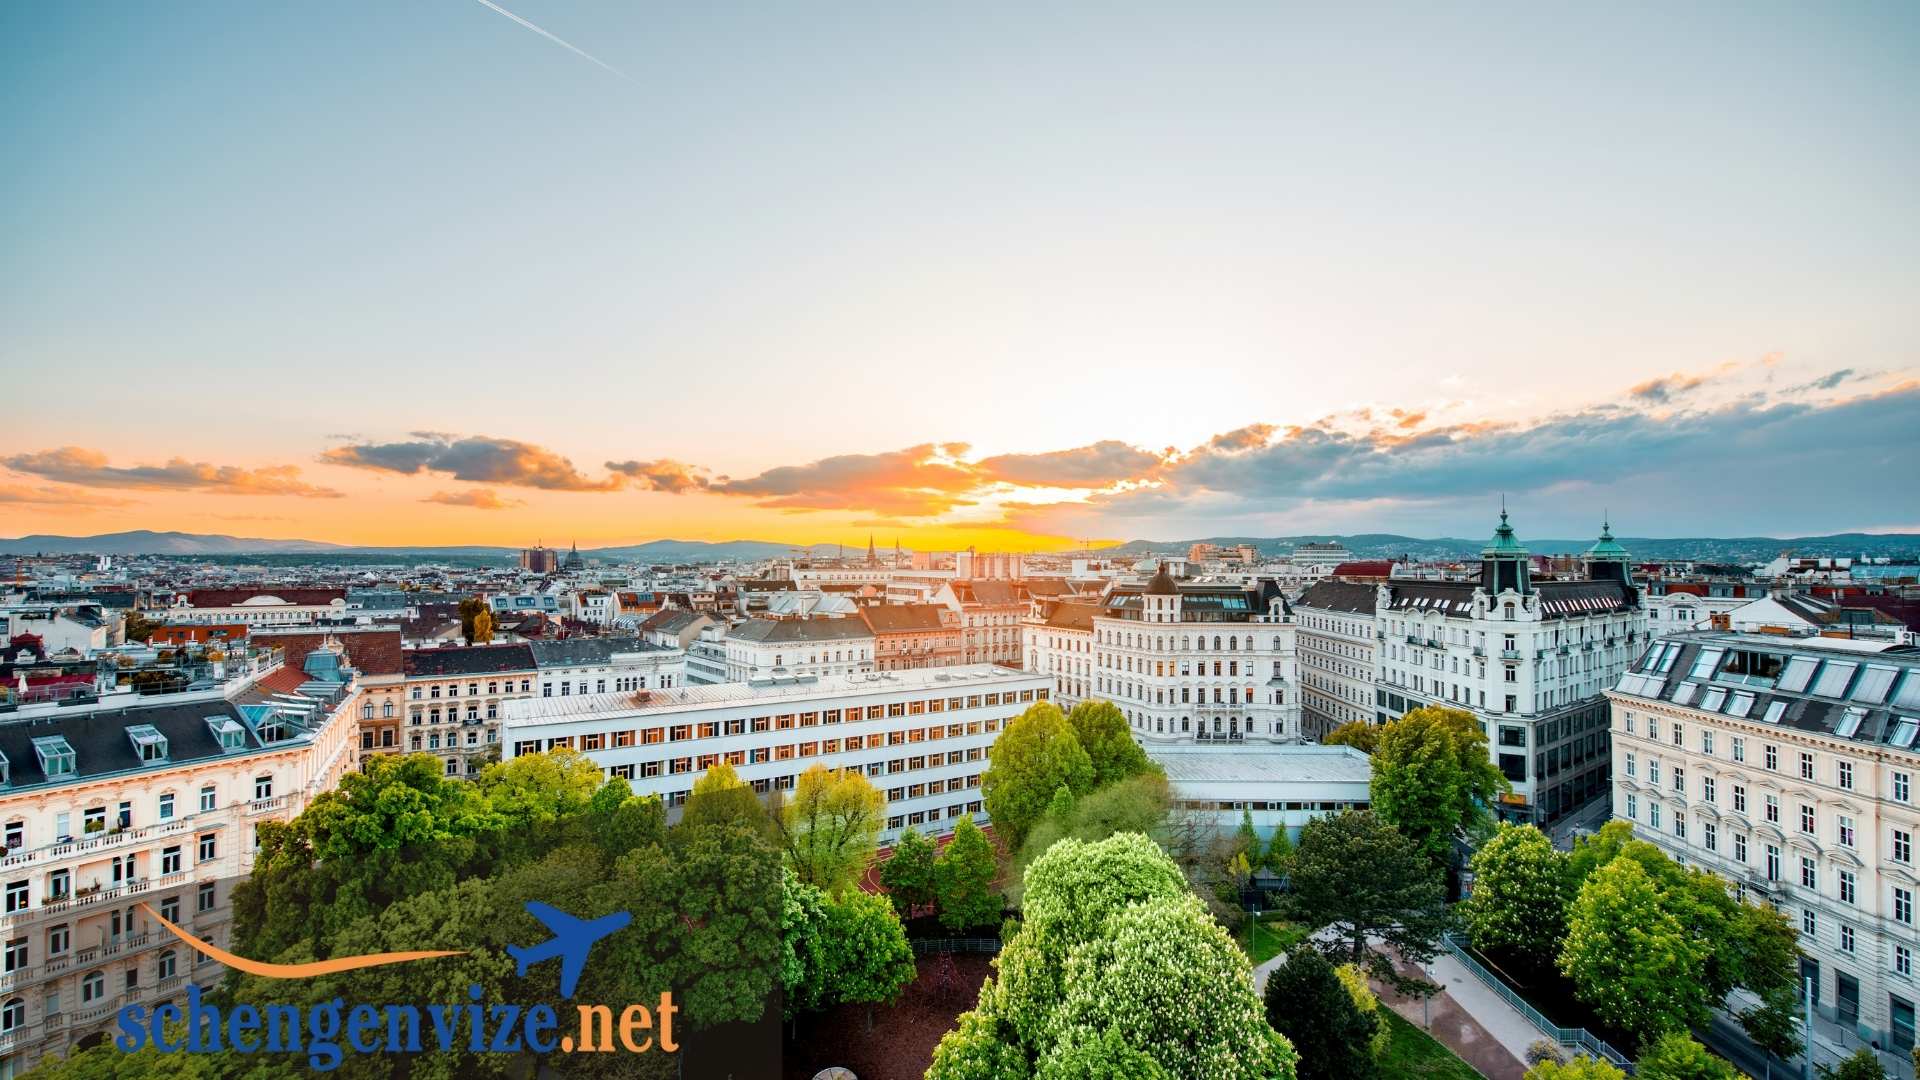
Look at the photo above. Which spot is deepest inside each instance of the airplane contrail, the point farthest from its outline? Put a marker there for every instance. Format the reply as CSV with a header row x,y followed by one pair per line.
x,y
556,40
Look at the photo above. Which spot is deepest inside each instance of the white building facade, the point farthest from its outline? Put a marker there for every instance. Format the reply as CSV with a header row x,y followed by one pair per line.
x,y
1531,660
1337,668
1198,663
1787,766
921,736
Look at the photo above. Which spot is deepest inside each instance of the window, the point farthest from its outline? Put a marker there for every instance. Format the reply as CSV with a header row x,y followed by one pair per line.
x,y
169,964
17,896
262,787
1809,873
13,1014
1846,939
59,938
1902,846
1903,961
93,987
1902,785
1740,798
1739,749
1773,757
209,846
170,860
1845,833
1845,775
16,956
1740,847
205,899
1903,906
1806,766
1846,886
1711,834
1707,788
1809,923
1807,820
209,799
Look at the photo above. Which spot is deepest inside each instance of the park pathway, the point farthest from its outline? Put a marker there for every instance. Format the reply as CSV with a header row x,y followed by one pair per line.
x,y
1465,1016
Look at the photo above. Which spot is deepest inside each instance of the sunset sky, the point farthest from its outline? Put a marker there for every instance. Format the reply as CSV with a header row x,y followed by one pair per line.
x,y
1006,275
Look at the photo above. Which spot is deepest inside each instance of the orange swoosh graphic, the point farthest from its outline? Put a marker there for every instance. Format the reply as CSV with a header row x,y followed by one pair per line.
x,y
294,971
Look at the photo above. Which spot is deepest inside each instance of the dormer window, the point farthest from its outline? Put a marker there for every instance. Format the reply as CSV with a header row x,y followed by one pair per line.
x,y
148,742
56,756
228,732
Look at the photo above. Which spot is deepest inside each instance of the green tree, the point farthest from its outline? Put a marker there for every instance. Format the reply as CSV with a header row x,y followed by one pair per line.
x,y
1432,777
864,956
963,879
803,921
1105,1056
1279,857
727,893
1034,756
1774,1025
1169,982
1630,958
1519,902
1137,804
1675,1056
1246,842
482,629
908,873
830,827
1862,1064
1358,734
1355,873
1307,1002
720,796
1102,730
139,628
1581,1067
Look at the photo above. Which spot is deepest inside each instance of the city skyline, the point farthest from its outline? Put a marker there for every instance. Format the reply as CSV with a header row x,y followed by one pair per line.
x,y
999,278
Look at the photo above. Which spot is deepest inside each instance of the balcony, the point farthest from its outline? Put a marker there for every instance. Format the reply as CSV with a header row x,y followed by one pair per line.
x,y
1509,654
1479,650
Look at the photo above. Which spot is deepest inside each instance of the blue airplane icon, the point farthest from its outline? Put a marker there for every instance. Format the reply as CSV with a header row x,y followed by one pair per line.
x,y
571,941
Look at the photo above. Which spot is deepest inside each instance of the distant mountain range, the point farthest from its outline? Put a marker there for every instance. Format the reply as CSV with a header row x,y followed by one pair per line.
x,y
1362,545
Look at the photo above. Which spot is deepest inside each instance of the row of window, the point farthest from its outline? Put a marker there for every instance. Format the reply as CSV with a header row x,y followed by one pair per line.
x,y
94,819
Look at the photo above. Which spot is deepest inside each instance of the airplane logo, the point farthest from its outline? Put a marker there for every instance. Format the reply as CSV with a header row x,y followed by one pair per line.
x,y
571,941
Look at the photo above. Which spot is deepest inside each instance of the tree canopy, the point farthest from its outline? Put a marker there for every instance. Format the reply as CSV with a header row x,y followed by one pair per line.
x,y
1520,894
1035,755
1357,874
1308,1003
830,826
1432,777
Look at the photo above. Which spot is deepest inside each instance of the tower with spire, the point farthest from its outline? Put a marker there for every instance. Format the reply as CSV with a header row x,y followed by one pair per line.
x,y
1607,560
1504,564
873,557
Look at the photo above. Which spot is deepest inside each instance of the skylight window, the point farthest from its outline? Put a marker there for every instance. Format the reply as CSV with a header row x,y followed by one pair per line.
x,y
1667,658
1684,695
1850,721
1909,695
228,732
1799,670
1874,684
1834,678
1775,710
1707,662
1742,703
56,756
1713,699
148,742
1903,731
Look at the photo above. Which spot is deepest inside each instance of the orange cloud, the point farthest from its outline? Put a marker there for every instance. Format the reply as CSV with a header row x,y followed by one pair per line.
x,y
89,468
476,498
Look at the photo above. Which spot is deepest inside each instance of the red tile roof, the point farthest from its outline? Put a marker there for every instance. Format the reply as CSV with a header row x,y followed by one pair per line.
x,y
374,652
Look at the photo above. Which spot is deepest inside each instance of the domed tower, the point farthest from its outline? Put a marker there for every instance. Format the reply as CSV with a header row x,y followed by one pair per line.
x,y
1162,597
1607,560
1504,563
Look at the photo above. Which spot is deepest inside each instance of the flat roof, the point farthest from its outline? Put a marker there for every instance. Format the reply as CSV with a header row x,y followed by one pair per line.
x,y
960,679
1254,764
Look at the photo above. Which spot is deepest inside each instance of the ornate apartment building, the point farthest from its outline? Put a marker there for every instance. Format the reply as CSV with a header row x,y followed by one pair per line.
x,y
1531,659
1198,662
131,801
1787,766
454,696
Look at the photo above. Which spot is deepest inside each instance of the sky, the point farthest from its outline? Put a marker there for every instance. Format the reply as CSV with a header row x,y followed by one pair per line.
x,y
1006,275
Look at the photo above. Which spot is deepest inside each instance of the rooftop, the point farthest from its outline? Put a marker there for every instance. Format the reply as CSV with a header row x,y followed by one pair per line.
x,y
1866,691
967,678
1263,764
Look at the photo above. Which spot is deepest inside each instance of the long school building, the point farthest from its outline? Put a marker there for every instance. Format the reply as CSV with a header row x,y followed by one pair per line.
x,y
920,736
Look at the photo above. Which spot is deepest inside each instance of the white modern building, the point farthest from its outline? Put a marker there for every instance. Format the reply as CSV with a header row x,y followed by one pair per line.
x,y
1787,766
1279,786
1532,660
921,735
1337,668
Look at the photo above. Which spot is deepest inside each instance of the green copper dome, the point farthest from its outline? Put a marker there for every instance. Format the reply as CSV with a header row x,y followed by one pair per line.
x,y
1605,547
1503,542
